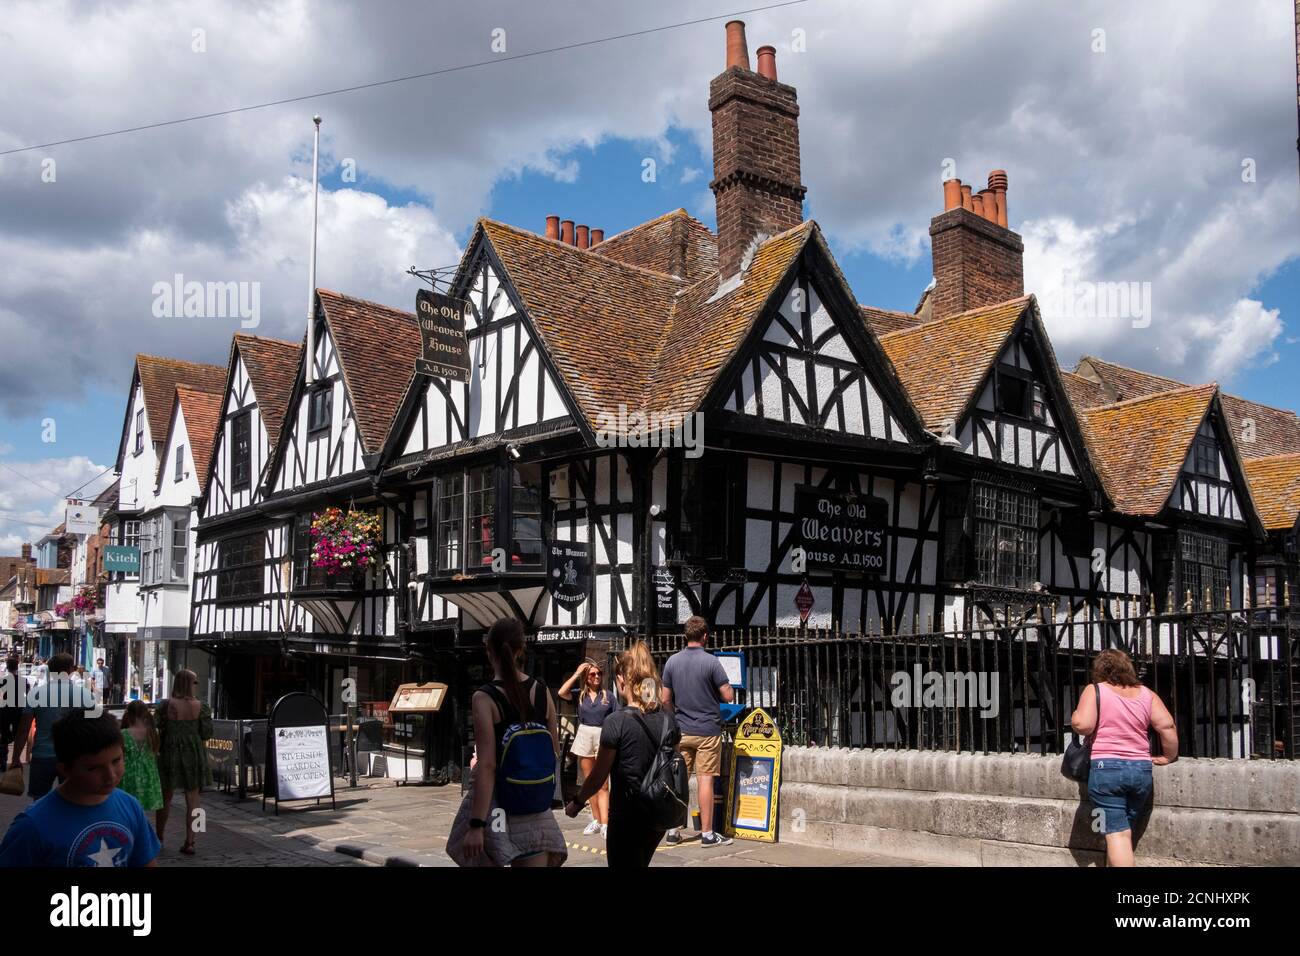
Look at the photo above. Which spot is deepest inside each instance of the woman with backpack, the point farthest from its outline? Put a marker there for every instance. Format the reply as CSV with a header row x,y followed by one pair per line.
x,y
630,741
595,703
1119,772
505,818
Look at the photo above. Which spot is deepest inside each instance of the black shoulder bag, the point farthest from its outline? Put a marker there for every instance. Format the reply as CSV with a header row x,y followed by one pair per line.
x,y
1078,754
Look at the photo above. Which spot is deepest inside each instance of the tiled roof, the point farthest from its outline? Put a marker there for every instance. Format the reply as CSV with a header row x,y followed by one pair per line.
x,y
202,411
941,363
675,244
884,321
1275,488
377,347
624,334
1084,392
158,380
1260,430
600,319
9,565
1139,446
272,365
1122,382
51,577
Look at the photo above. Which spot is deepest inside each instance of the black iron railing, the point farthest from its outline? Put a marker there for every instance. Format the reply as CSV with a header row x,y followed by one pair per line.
x,y
1229,677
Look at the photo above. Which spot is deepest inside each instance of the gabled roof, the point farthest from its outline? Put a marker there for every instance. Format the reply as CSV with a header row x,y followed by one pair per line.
x,y
158,378
377,347
1121,382
1275,488
272,365
202,411
676,244
942,363
1084,392
1139,446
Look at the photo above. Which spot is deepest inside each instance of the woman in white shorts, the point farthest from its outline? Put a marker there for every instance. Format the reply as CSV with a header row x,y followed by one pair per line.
x,y
595,703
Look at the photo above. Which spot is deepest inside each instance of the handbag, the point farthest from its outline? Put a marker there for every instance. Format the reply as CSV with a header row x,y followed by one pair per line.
x,y
11,781
1078,753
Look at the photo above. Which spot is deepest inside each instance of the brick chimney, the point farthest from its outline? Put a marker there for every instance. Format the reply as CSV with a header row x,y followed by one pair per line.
x,y
27,552
755,152
978,261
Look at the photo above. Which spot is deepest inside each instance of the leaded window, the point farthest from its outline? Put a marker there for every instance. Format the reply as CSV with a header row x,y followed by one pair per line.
x,y
1006,536
241,458
240,572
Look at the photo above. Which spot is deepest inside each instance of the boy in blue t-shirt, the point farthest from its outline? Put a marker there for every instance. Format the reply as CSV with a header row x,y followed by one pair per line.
x,y
86,820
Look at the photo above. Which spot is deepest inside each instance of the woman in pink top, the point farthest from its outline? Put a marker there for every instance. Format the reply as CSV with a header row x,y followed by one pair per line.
x,y
1119,777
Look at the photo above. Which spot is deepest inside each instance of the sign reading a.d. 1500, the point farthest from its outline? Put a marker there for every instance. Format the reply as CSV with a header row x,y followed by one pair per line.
x,y
842,532
444,351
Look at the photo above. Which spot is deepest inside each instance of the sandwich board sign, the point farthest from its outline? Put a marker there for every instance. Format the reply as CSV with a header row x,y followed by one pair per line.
x,y
297,751
754,783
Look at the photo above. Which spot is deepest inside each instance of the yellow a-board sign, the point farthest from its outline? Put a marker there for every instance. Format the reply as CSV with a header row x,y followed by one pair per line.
x,y
754,783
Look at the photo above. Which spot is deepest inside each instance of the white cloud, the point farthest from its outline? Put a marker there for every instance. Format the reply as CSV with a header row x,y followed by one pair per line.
x,y
31,504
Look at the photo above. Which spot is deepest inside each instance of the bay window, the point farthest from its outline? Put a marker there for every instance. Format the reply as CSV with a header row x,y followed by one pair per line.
x,y
471,520
164,547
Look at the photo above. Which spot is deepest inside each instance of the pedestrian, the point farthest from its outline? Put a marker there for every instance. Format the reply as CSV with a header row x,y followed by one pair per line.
x,y
47,702
86,820
505,818
12,695
1119,772
595,703
693,685
99,679
140,746
184,723
629,740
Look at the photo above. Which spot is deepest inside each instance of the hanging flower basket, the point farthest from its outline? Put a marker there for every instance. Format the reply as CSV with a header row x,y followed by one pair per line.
x,y
87,600
63,610
345,542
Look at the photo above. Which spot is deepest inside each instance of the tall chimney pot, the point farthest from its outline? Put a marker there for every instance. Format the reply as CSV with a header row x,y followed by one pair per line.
x,y
966,201
582,237
566,231
737,49
989,205
552,227
998,183
951,194
597,236
767,62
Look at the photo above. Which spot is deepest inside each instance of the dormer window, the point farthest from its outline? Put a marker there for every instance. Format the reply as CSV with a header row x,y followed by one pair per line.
x,y
1013,389
1205,458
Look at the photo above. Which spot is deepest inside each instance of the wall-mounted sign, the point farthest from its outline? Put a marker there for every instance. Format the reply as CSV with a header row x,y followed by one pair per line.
x,y
118,557
564,635
444,351
803,600
81,519
842,532
665,581
755,780
568,572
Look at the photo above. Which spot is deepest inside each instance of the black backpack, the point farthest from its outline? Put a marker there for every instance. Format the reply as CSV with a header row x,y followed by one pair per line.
x,y
664,793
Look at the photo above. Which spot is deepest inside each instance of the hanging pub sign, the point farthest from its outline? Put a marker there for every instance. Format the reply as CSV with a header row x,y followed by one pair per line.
x,y
803,600
81,519
568,572
755,781
665,582
842,532
119,557
444,351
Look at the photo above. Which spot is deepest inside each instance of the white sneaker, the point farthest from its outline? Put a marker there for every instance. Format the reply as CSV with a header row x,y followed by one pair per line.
x,y
604,831
592,827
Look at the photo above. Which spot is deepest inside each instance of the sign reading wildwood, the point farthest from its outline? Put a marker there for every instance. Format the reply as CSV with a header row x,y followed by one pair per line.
x,y
842,532
444,351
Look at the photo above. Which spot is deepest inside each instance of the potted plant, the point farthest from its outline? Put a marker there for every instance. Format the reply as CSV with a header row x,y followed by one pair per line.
x,y
345,542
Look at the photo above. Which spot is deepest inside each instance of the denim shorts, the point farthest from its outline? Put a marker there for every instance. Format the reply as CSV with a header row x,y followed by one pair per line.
x,y
1120,789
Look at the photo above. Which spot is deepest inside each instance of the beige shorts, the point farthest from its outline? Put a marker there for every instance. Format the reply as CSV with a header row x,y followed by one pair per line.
x,y
702,754
586,741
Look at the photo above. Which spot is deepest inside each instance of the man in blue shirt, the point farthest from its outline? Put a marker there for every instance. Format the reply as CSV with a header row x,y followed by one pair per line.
x,y
48,702
693,685
86,820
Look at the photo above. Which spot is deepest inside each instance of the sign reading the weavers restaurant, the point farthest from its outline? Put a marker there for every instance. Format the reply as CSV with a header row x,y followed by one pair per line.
x,y
842,532
444,352
569,572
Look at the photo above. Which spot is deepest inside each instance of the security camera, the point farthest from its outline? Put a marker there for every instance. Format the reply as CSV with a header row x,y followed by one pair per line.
x,y
514,452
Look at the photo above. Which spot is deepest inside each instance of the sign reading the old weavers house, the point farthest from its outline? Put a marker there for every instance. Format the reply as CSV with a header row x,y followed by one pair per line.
x,y
842,532
444,352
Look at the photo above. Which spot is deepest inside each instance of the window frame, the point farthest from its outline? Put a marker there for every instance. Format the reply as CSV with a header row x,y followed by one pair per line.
x,y
229,572
157,543
180,464
241,461
1024,380
1005,536
1205,454
474,494
320,398
139,431
710,494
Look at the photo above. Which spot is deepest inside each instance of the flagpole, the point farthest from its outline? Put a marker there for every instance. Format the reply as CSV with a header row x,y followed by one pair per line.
x,y
309,359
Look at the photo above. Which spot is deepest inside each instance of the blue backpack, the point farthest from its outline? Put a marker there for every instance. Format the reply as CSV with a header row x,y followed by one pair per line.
x,y
525,757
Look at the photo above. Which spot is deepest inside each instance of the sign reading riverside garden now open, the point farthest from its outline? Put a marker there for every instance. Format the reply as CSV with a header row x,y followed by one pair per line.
x,y
842,532
444,351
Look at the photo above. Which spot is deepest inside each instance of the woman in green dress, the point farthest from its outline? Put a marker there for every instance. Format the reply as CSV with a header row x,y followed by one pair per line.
x,y
139,750
184,723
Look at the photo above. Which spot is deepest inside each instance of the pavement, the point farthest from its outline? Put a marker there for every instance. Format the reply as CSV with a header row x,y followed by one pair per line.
x,y
383,824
